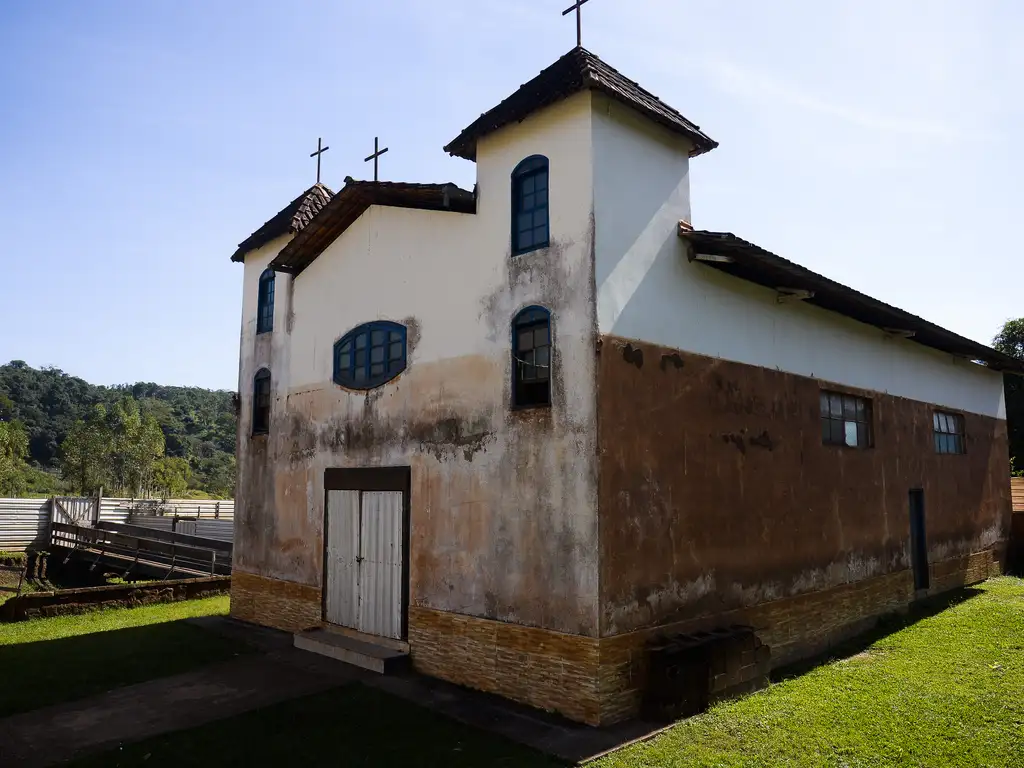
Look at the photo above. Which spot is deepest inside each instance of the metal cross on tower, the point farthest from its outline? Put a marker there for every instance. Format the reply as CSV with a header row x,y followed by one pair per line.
x,y
320,149
377,152
579,20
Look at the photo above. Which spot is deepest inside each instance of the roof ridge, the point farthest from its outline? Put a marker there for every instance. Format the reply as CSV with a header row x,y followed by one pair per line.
x,y
577,70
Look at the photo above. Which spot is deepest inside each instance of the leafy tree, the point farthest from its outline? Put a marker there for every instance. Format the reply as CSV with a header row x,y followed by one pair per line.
x,y
1010,341
85,453
171,476
197,425
136,443
216,475
13,449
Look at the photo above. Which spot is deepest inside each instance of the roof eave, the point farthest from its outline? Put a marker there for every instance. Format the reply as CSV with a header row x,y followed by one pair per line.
x,y
348,205
464,145
745,261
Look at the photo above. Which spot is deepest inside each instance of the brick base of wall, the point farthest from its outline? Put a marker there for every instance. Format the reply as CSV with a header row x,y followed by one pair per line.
x,y
793,628
602,681
273,603
545,669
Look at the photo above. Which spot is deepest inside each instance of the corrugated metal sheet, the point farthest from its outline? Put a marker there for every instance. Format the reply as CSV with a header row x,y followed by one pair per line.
x,y
342,601
380,567
1017,493
203,508
23,523
221,530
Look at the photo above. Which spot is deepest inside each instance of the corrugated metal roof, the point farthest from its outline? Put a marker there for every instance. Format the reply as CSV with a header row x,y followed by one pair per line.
x,y
578,70
749,262
350,203
292,218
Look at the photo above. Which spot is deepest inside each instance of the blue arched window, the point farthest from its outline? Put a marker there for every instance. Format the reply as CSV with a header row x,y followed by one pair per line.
x,y
530,205
370,355
265,305
261,402
531,358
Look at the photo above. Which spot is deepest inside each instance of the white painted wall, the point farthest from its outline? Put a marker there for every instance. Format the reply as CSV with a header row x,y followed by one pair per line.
x,y
647,290
483,541
262,350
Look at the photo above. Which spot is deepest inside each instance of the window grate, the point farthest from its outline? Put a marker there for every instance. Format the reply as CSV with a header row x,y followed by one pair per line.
x,y
949,432
261,402
265,303
370,355
530,228
531,358
845,420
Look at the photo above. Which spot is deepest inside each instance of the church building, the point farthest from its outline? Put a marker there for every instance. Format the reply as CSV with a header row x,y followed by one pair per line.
x,y
528,434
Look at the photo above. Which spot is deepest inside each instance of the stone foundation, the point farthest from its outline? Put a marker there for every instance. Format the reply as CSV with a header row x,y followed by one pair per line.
x,y
547,670
273,603
793,628
602,681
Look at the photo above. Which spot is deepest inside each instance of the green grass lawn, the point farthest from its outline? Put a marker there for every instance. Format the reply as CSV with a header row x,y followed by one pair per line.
x,y
947,690
47,661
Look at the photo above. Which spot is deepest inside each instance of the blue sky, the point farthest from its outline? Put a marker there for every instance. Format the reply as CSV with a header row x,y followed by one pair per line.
x,y
876,142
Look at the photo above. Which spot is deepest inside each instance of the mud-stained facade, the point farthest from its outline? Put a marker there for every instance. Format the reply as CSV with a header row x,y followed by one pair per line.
x,y
677,481
716,492
503,501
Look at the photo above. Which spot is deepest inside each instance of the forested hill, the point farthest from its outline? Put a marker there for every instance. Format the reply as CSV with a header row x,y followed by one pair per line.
x,y
198,424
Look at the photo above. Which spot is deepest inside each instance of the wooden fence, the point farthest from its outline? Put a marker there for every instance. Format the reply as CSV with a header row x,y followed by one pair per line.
x,y
1017,493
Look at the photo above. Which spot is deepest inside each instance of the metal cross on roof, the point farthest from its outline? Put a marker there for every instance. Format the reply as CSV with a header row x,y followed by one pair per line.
x,y
377,152
320,149
579,20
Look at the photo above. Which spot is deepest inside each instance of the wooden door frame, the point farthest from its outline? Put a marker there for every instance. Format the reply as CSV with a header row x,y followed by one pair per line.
x,y
370,479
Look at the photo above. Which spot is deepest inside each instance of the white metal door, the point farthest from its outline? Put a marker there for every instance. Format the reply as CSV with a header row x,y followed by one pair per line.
x,y
364,561
380,564
342,603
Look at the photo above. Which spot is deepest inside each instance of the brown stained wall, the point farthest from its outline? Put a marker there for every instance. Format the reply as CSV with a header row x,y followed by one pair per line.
x,y
503,503
715,491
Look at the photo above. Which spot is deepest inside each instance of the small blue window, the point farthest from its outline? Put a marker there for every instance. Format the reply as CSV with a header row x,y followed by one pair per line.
x,y
370,355
530,205
531,358
265,305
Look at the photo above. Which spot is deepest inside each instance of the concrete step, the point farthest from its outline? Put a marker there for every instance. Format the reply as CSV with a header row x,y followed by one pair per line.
x,y
368,655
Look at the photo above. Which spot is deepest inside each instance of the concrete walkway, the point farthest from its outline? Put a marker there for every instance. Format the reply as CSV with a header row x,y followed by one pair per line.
x,y
54,734
277,672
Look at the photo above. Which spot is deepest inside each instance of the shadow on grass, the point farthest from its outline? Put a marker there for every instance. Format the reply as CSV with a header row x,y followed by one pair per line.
x,y
38,673
883,627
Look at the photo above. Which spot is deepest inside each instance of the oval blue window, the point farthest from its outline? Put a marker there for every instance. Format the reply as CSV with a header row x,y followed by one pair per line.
x,y
370,355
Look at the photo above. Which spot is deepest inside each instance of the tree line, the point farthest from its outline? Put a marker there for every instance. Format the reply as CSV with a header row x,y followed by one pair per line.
x,y
1010,341
60,434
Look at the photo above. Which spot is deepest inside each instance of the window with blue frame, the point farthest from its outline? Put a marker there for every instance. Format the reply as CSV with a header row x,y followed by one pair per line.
x,y
530,205
531,358
370,355
261,402
265,305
